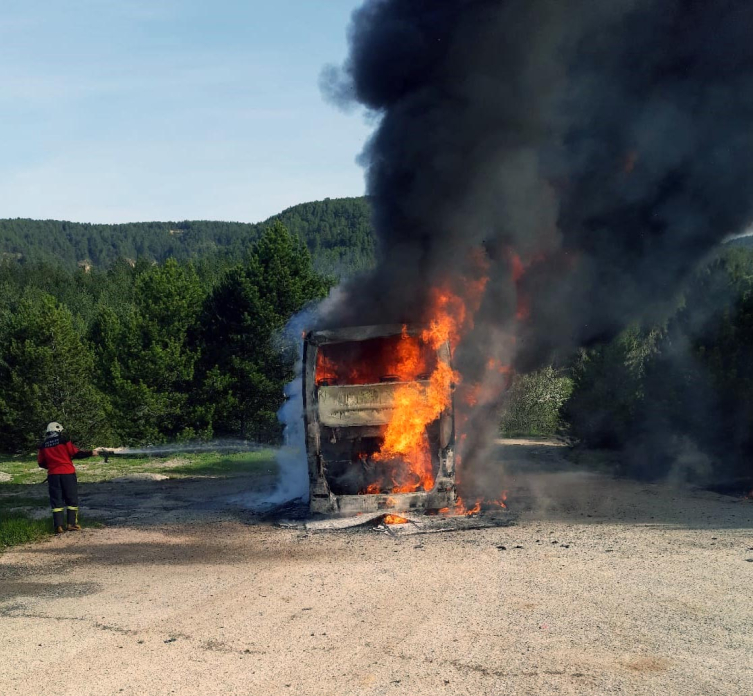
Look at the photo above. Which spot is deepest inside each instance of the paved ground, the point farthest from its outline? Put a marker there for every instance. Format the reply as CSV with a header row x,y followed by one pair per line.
x,y
603,587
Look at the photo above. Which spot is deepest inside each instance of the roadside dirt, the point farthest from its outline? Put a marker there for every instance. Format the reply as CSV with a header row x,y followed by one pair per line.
x,y
604,586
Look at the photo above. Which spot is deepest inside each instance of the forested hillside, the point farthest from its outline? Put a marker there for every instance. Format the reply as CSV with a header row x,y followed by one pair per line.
x,y
337,232
149,352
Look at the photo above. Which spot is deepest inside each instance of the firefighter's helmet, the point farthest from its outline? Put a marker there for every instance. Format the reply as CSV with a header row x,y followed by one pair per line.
x,y
54,427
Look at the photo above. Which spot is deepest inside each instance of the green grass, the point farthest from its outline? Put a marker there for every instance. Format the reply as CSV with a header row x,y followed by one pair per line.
x,y
24,471
17,528
227,465
26,492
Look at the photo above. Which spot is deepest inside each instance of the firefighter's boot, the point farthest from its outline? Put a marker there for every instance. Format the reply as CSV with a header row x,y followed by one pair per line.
x,y
73,525
58,520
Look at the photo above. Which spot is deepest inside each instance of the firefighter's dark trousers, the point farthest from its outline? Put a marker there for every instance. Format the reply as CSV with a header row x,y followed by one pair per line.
x,y
63,494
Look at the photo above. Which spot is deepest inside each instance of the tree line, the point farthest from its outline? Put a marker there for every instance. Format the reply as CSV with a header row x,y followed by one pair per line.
x,y
147,352
337,232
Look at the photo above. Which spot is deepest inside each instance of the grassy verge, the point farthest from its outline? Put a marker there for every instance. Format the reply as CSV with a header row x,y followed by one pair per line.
x,y
17,528
23,495
24,473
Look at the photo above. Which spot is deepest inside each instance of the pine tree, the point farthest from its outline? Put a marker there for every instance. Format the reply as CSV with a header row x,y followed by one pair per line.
x,y
46,374
246,362
146,359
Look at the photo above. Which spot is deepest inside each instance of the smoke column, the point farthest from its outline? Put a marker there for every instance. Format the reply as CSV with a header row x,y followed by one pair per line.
x,y
293,481
582,157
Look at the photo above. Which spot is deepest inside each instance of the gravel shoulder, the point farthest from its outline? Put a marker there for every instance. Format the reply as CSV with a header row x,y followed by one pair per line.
x,y
604,586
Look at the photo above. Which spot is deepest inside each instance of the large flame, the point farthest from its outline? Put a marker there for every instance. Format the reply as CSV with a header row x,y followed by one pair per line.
x,y
419,404
416,406
419,364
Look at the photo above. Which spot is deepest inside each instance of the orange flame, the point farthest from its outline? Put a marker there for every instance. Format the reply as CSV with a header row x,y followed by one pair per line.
x,y
409,358
426,382
475,509
502,500
523,311
415,407
326,369
471,395
462,509
517,267
394,519
452,315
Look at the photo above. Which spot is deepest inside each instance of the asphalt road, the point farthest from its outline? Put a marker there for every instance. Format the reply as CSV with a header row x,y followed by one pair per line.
x,y
604,586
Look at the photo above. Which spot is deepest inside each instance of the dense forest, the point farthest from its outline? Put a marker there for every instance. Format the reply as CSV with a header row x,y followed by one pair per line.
x,y
337,232
146,352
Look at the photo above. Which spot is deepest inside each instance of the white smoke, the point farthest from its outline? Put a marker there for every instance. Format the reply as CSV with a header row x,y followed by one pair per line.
x,y
293,482
747,232
292,478
224,445
691,465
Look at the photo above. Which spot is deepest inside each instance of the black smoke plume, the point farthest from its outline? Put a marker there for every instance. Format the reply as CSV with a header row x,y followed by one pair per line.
x,y
602,147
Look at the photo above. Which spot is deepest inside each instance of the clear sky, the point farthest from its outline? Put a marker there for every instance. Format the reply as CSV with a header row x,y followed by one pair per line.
x,y
133,110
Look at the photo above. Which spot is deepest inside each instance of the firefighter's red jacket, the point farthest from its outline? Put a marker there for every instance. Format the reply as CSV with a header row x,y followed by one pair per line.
x,y
56,454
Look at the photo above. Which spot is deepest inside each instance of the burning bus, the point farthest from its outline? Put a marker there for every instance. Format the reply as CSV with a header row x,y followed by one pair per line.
x,y
379,419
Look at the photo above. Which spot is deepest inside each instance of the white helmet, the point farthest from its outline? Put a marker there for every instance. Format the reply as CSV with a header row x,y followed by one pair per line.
x,y
54,427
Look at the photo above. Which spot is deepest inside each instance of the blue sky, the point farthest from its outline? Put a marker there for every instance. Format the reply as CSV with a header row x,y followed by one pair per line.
x,y
131,110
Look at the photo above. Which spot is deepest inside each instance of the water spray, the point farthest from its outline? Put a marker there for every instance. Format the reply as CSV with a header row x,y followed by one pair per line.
x,y
226,446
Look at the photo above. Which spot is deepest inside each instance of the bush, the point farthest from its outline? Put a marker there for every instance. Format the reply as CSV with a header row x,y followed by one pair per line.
x,y
608,391
535,402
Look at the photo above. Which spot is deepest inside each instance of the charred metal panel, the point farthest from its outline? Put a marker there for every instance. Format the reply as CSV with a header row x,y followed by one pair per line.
x,y
358,333
357,405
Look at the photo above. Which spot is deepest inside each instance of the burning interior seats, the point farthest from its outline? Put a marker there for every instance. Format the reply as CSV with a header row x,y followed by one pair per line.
x,y
379,417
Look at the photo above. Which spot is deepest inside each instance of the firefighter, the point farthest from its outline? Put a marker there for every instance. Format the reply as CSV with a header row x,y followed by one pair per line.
x,y
56,454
